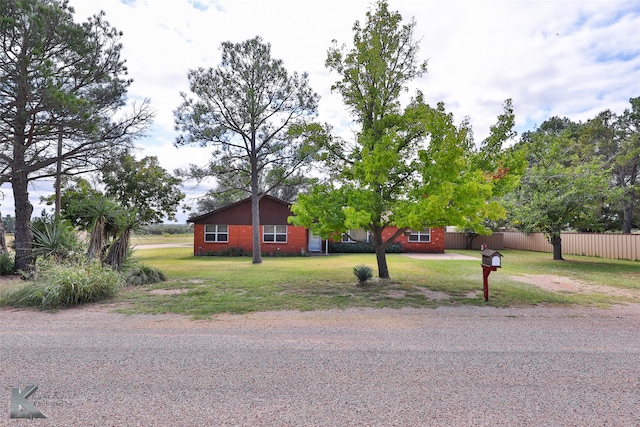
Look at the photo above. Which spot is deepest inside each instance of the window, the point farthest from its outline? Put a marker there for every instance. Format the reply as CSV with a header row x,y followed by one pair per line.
x,y
354,236
216,233
274,233
420,236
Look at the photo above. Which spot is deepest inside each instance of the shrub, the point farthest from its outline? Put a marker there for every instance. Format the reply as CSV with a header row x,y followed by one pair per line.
x,y
357,248
227,252
54,239
6,264
363,273
62,285
138,275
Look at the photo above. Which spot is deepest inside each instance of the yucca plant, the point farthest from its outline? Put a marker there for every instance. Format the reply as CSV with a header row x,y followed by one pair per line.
x,y
363,273
54,239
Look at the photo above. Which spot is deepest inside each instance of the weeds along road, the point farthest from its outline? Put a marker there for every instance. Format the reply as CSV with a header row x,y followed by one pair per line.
x,y
462,366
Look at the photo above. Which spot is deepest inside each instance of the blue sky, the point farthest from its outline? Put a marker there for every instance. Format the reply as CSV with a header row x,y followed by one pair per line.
x,y
570,58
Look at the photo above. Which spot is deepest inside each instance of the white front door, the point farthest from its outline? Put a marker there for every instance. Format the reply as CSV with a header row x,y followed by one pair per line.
x,y
315,243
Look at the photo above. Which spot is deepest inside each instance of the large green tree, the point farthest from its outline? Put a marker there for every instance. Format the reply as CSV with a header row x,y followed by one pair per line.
x,y
251,111
626,165
409,168
616,140
560,190
143,187
62,91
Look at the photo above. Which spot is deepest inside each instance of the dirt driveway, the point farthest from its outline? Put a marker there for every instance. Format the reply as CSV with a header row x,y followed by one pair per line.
x,y
462,366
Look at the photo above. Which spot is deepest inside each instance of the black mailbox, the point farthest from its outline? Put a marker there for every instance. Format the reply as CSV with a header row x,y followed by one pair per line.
x,y
491,258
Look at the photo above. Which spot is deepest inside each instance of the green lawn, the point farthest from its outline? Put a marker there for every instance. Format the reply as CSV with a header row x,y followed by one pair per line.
x,y
204,286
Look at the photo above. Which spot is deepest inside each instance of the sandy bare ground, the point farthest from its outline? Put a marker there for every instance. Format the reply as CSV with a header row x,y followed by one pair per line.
x,y
567,285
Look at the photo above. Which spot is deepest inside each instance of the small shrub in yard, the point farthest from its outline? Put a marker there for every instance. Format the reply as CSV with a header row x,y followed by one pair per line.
x,y
363,273
62,285
6,264
138,275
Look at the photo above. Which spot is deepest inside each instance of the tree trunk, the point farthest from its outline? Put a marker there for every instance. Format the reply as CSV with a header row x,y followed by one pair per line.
x,y
96,239
3,237
469,239
255,212
23,234
58,183
255,228
627,216
119,250
381,256
556,241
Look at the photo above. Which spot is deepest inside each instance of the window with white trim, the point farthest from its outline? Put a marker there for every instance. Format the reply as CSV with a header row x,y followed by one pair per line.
x,y
354,236
216,233
274,233
423,236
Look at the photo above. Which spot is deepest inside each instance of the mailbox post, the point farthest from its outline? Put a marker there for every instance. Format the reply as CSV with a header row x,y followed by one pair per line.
x,y
491,261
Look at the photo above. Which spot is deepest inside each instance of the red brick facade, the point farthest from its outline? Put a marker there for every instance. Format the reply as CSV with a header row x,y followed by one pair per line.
x,y
434,246
236,218
240,237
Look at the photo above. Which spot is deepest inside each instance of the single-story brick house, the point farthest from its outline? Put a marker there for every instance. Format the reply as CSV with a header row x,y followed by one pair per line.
x,y
230,228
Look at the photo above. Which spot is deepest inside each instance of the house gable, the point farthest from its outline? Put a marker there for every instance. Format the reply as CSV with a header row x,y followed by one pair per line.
x,y
230,228
272,211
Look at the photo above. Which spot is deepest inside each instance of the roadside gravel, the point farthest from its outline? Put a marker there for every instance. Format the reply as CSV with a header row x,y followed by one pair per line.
x,y
461,366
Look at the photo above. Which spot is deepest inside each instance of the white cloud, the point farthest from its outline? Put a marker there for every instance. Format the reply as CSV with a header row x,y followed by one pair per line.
x,y
566,58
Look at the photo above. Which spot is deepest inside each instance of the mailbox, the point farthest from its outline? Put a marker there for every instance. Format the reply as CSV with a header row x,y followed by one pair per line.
x,y
491,261
491,258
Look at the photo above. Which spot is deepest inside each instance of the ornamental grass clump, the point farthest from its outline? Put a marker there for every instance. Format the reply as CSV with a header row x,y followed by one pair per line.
x,y
138,275
363,273
63,285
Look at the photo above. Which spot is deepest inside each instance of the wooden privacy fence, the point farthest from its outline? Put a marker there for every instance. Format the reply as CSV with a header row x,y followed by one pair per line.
x,y
612,246
459,241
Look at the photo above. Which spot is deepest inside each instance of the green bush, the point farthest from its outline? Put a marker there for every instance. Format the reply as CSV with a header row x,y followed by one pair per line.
x,y
138,275
54,239
363,273
361,248
62,285
228,252
6,264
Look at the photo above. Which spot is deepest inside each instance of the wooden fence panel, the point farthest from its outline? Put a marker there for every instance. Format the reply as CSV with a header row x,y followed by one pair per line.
x,y
459,241
611,246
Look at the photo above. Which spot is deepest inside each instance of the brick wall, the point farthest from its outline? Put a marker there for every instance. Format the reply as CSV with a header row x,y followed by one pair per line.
x,y
435,246
240,236
297,240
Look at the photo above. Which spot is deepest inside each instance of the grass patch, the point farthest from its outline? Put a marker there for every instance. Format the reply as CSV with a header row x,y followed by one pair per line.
x,y
155,239
212,285
205,286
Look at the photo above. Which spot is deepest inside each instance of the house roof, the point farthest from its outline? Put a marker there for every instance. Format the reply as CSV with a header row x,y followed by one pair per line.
x,y
226,210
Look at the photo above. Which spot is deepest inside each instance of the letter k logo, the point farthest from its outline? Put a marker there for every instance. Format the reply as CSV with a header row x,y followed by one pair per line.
x,y
20,406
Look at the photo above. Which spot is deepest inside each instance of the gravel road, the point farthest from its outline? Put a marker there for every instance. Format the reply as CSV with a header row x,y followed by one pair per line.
x,y
462,366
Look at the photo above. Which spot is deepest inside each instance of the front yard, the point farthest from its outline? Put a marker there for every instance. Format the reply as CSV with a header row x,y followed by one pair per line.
x,y
205,286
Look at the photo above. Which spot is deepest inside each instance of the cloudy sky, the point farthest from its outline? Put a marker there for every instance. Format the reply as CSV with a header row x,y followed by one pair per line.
x,y
570,58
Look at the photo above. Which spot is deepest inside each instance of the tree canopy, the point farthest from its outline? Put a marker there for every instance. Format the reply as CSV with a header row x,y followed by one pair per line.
x,y
615,139
143,187
560,189
253,113
63,87
410,167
